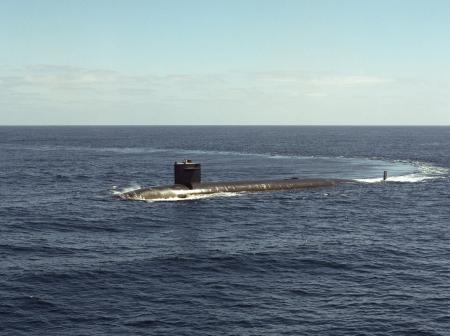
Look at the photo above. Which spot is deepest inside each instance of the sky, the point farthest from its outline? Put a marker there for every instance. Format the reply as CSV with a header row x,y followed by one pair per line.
x,y
228,62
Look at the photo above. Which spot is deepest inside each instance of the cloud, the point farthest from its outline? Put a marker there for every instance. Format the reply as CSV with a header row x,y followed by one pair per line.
x,y
71,93
321,80
56,80
59,78
349,81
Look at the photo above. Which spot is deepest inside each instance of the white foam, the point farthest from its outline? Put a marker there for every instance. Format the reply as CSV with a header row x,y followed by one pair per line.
x,y
429,169
410,178
369,180
125,190
425,171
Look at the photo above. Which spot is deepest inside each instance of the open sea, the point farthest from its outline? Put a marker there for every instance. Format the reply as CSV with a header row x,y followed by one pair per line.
x,y
370,258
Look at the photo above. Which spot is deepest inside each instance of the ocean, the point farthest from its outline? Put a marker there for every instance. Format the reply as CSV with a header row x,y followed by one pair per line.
x,y
369,258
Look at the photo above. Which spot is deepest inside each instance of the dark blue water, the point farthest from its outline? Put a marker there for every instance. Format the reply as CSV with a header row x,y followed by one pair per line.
x,y
364,259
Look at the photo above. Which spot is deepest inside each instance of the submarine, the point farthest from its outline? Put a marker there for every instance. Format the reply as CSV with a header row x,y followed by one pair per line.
x,y
188,183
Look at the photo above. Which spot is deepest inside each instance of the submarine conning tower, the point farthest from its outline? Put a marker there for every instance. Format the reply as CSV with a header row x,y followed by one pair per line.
x,y
187,173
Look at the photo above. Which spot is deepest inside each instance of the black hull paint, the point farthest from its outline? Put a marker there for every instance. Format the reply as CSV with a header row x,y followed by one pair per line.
x,y
182,191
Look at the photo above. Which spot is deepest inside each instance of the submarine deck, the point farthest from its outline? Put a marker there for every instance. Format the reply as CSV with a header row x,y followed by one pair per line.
x,y
182,191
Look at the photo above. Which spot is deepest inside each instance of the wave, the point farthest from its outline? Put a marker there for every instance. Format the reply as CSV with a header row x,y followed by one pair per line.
x,y
411,178
425,171
147,150
133,187
119,150
262,155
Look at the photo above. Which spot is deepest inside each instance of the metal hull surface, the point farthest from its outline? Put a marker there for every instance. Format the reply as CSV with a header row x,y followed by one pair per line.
x,y
182,191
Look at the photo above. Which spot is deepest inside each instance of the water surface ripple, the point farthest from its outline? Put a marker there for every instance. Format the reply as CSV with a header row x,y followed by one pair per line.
x,y
363,259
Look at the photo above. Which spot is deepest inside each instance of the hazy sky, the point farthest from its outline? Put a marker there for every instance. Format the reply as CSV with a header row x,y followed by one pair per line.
x,y
328,62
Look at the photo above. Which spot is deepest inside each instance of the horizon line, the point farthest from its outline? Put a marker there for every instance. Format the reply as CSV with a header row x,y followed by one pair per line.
x,y
225,125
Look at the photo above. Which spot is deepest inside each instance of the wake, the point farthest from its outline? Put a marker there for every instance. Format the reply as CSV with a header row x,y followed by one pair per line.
x,y
425,172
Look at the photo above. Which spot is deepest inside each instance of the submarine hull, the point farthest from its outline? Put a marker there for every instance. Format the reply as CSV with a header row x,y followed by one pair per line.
x,y
182,191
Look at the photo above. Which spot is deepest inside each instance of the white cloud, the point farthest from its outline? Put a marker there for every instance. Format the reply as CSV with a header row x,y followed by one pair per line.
x,y
59,78
349,81
265,97
324,79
